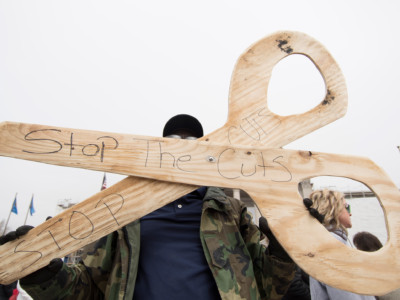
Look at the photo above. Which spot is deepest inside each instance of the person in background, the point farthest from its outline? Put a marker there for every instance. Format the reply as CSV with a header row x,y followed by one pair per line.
x,y
331,209
366,241
203,245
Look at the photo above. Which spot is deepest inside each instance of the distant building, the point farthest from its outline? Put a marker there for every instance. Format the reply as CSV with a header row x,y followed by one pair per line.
x,y
63,204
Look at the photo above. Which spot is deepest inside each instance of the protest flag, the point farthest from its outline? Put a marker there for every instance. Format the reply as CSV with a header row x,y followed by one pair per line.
x,y
104,184
31,210
14,210
14,206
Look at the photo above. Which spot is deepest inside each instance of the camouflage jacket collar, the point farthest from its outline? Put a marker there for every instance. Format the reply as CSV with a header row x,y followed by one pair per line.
x,y
216,199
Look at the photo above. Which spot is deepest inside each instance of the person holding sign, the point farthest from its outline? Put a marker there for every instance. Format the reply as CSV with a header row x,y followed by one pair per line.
x,y
203,245
366,241
330,208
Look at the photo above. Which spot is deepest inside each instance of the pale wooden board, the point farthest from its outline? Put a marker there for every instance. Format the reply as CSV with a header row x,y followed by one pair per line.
x,y
250,123
269,176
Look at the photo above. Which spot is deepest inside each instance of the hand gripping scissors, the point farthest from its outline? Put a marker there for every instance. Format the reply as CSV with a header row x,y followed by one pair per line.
x,y
245,153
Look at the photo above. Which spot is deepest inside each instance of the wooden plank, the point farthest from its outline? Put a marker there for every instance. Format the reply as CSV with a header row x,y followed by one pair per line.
x,y
269,176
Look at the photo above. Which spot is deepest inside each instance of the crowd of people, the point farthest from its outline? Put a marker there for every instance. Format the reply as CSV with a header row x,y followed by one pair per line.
x,y
203,245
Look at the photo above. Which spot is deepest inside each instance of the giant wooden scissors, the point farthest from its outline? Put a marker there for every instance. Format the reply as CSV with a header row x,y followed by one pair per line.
x,y
245,153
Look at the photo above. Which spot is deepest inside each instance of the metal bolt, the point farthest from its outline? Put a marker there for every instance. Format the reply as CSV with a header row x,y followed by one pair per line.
x,y
211,159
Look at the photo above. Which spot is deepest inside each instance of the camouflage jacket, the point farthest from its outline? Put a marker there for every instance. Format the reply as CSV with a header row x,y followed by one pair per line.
x,y
240,264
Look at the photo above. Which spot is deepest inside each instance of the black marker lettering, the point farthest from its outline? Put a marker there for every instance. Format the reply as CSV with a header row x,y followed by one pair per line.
x,y
229,133
260,114
92,152
59,220
103,147
71,144
263,165
290,174
163,153
111,198
147,150
259,126
28,138
147,153
25,251
218,164
75,214
248,134
249,175
181,159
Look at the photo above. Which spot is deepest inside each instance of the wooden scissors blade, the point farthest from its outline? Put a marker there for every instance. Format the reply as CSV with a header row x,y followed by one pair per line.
x,y
250,121
250,124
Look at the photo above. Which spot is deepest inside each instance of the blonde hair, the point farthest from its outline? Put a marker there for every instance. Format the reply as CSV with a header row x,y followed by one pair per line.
x,y
330,204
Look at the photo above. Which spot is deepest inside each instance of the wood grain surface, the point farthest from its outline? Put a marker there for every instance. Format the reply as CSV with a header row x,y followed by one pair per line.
x,y
243,154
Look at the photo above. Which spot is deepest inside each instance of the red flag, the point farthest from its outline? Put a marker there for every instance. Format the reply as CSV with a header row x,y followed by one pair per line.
x,y
104,185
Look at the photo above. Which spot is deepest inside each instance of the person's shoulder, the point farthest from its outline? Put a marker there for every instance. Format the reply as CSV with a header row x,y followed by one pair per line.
x,y
219,193
213,192
223,201
340,236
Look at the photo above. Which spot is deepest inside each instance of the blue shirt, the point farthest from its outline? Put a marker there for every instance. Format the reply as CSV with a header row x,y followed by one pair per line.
x,y
172,264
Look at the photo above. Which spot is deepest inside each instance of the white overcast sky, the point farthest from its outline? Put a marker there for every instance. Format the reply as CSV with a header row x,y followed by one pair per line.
x,y
127,66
